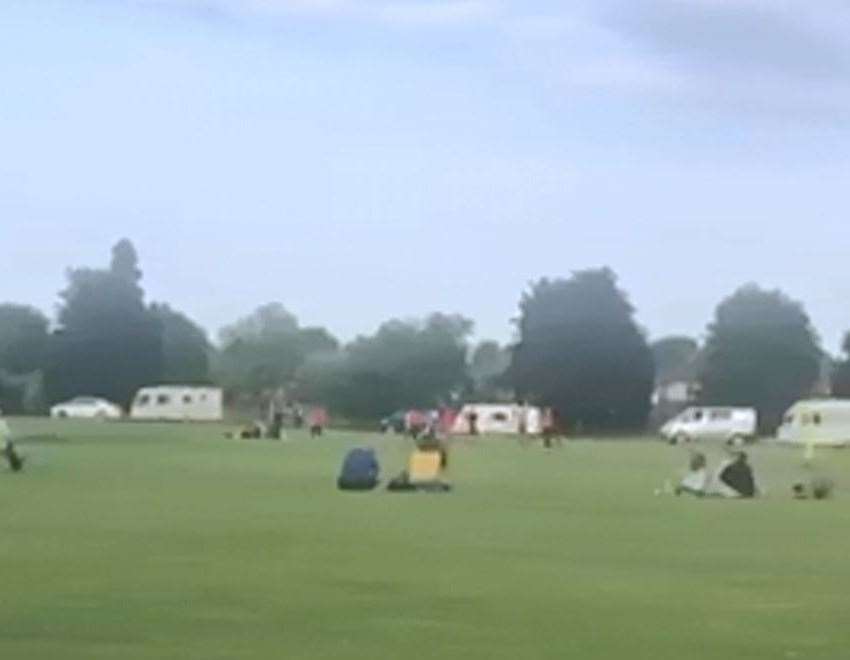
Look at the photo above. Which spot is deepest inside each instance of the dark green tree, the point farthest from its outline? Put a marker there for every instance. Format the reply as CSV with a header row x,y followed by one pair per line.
x,y
488,365
23,339
23,350
405,364
108,343
841,372
185,348
674,357
264,350
762,352
581,352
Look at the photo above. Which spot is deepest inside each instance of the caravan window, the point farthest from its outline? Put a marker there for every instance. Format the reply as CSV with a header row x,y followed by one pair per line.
x,y
698,415
143,400
187,398
789,419
499,417
816,418
163,399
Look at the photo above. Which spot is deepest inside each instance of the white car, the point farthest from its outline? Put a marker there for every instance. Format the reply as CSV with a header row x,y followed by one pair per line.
x,y
87,407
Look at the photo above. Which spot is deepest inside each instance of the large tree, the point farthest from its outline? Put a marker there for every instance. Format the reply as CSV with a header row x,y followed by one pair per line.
x,y
761,351
23,339
185,348
488,365
581,352
264,350
108,343
405,364
674,357
23,349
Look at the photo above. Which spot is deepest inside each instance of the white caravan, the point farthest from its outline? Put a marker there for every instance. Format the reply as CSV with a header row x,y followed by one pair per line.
x,y
820,423
498,418
178,403
732,425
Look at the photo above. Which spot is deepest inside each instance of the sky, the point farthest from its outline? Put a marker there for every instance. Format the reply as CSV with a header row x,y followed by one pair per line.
x,y
359,160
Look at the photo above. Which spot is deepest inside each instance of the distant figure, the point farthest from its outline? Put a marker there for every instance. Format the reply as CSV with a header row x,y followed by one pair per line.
x,y
549,427
297,416
416,422
447,420
275,428
472,418
16,461
736,479
318,421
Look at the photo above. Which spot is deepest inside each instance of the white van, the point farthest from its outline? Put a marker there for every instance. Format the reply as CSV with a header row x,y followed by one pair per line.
x,y
178,403
731,425
822,423
499,418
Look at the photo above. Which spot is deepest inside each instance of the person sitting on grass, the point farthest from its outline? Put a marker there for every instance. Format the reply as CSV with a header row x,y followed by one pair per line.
x,y
696,481
735,478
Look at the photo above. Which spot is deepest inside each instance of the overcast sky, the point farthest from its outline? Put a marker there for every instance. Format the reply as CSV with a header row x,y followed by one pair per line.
x,y
365,159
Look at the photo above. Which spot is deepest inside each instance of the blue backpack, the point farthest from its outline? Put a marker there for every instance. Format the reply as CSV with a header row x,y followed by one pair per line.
x,y
360,470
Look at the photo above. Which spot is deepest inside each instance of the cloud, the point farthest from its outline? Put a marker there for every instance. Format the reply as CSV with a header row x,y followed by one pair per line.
x,y
804,41
398,13
785,57
438,13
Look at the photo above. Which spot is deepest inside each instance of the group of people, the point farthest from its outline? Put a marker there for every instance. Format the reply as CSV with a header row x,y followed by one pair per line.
x,y
278,418
734,478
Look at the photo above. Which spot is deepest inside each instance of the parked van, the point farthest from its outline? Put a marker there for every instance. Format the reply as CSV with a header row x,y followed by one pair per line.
x,y
178,403
731,425
824,423
498,418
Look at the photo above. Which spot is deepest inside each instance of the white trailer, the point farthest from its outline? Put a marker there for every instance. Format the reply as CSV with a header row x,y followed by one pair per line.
x,y
816,423
498,418
178,403
732,425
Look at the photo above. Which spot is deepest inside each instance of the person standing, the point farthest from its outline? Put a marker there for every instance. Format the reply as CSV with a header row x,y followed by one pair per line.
x,y
15,460
472,418
318,421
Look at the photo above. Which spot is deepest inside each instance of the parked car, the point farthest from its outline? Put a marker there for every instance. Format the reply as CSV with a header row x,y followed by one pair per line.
x,y
734,426
395,423
87,407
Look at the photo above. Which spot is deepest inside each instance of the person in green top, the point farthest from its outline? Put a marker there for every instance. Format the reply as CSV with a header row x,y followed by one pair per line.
x,y
16,461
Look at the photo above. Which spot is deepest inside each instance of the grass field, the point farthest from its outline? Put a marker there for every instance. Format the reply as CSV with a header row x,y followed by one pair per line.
x,y
165,541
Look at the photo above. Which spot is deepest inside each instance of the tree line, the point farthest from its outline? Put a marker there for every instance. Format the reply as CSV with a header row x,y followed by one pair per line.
x,y
578,348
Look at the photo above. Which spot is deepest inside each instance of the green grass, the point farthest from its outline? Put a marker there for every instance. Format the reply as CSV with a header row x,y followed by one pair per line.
x,y
168,541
